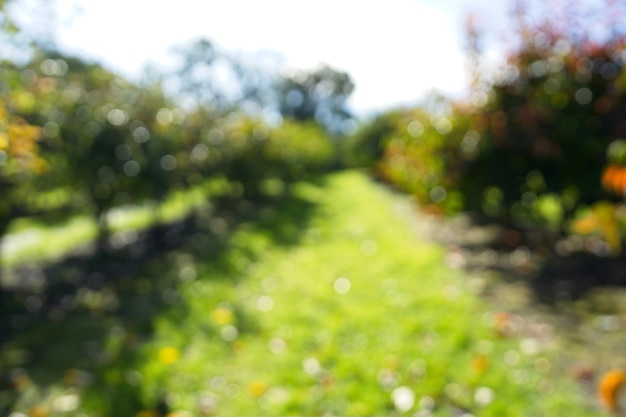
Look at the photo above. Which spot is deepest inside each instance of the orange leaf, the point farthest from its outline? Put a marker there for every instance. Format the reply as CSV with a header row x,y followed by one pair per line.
x,y
609,387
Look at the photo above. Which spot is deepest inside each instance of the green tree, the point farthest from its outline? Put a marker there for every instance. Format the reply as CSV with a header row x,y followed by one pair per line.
x,y
106,136
219,81
320,95
550,118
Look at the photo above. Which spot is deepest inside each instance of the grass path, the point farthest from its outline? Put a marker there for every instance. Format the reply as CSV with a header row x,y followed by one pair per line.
x,y
358,318
345,312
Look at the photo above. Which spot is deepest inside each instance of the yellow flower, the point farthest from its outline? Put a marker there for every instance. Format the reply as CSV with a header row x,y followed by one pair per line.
x,y
257,388
39,411
222,316
169,355
4,141
609,387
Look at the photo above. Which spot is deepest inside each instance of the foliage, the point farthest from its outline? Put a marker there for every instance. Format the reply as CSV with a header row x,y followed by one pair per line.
x,y
221,81
546,128
95,128
532,145
264,159
321,95
366,146
19,161
419,150
110,142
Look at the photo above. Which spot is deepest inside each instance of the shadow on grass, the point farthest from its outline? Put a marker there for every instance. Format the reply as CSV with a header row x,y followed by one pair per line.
x,y
572,277
82,322
543,260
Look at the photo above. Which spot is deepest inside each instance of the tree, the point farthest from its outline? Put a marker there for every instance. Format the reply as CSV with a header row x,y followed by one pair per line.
x,y
320,95
220,81
550,118
101,133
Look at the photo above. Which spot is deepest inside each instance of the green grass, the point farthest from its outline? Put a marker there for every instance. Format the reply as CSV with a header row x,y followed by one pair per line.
x,y
29,240
339,309
358,312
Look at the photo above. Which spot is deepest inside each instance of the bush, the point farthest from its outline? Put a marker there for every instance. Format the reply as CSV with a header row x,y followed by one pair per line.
x,y
265,159
420,151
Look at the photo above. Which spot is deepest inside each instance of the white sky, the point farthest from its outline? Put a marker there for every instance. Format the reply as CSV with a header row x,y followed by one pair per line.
x,y
394,50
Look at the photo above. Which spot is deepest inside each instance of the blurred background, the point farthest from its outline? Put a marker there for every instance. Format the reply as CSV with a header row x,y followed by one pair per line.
x,y
173,177
129,37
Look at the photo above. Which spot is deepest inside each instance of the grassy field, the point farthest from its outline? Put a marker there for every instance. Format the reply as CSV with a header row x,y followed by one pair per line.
x,y
328,304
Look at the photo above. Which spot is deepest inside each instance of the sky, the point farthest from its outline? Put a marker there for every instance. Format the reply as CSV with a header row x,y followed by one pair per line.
x,y
395,51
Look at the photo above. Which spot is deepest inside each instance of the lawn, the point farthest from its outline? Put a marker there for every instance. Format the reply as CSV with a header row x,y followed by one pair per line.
x,y
327,304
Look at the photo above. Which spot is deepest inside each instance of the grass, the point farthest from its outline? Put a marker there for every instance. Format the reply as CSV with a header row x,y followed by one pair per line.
x,y
29,240
327,305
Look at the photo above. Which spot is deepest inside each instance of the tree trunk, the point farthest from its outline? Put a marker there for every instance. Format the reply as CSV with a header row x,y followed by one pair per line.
x,y
102,242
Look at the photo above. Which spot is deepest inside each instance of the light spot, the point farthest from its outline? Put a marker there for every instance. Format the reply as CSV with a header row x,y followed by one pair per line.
x,y
583,96
294,98
187,273
538,68
443,125
207,404
215,136
261,132
168,162
199,153
511,357
403,398
277,345
131,168
229,333
133,377
51,129
529,346
117,117
438,194
265,303
427,403
164,116
415,129
342,285
479,98
178,116
484,395
66,403
552,86
470,142
387,378
311,366
141,134
369,247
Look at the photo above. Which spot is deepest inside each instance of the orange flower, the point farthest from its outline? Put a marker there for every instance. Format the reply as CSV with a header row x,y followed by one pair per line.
x,y
479,364
614,179
607,176
502,323
609,387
